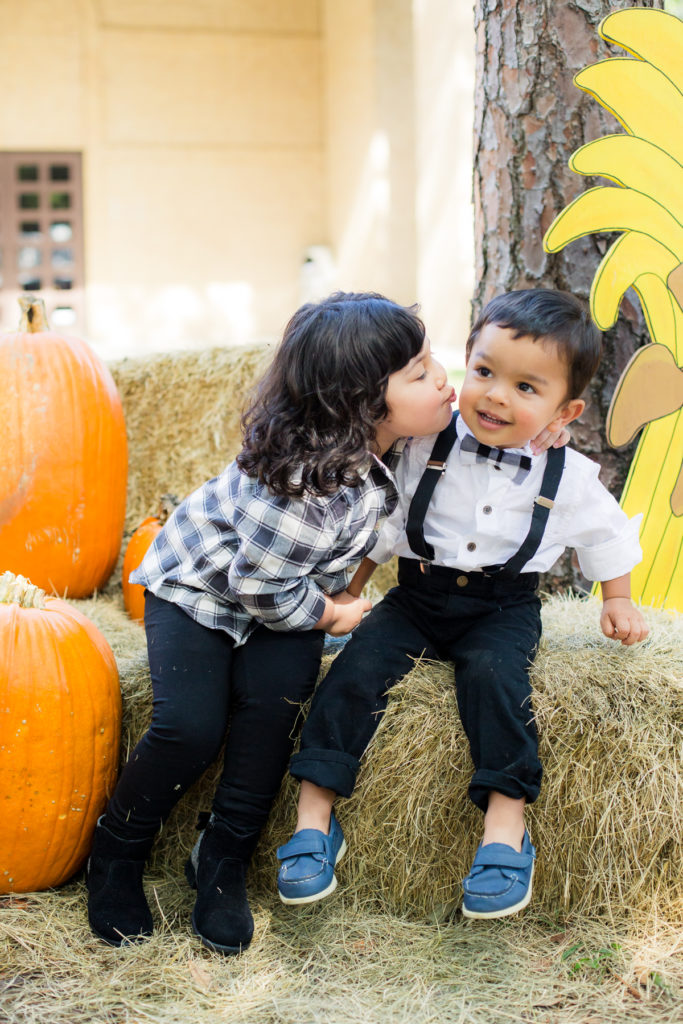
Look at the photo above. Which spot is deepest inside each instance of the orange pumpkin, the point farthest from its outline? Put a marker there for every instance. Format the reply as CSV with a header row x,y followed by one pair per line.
x,y
64,461
134,593
60,723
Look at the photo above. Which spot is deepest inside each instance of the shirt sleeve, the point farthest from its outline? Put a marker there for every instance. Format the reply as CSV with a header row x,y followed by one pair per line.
x,y
391,533
605,539
281,541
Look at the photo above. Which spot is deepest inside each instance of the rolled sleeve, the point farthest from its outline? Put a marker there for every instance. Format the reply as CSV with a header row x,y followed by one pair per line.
x,y
615,557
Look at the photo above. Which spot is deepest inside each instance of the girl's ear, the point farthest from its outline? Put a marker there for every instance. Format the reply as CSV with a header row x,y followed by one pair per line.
x,y
571,410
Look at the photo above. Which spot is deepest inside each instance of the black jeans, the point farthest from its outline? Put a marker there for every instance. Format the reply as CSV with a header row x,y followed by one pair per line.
x,y
205,687
488,627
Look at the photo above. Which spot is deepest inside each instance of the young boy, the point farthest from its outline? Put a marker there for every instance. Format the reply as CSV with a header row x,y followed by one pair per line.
x,y
480,517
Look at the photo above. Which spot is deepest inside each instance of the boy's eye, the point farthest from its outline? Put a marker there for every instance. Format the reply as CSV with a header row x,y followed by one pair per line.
x,y
528,388
483,371
422,375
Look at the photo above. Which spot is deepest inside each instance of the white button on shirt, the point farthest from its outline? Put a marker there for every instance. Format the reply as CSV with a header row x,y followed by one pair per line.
x,y
478,517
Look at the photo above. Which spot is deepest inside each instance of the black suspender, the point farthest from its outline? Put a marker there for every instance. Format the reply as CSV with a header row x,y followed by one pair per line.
x,y
542,505
423,495
434,471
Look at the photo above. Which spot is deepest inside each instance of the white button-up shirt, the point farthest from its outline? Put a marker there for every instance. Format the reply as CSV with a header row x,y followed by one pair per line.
x,y
480,516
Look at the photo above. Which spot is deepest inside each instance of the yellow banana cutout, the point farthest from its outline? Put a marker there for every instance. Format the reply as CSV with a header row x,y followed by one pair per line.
x,y
646,166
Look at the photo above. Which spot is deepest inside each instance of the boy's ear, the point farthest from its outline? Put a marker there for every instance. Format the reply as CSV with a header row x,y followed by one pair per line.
x,y
571,410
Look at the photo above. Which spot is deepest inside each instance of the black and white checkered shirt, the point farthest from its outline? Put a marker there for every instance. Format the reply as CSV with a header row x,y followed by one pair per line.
x,y
234,555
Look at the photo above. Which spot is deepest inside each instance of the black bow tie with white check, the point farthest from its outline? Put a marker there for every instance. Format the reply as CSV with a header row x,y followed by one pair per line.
x,y
502,457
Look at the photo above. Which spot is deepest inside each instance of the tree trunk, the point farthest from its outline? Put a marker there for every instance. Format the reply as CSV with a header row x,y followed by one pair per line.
x,y
529,118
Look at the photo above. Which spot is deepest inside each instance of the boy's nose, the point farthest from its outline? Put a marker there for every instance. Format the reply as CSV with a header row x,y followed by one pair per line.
x,y
497,393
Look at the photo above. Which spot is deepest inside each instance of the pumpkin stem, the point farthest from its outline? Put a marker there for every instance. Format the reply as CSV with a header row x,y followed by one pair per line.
x,y
18,590
33,315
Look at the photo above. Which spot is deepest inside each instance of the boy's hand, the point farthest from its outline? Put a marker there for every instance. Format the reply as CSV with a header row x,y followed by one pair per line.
x,y
342,613
546,440
621,620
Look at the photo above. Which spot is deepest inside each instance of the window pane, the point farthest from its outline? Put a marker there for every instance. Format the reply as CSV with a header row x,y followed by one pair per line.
x,y
29,282
29,200
63,283
29,231
27,172
63,316
60,172
60,200
60,231
29,256
62,258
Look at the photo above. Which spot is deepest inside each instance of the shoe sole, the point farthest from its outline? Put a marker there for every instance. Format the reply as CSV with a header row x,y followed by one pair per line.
x,y
295,900
490,914
124,940
216,947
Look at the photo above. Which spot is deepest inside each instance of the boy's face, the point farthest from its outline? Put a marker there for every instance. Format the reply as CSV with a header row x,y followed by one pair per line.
x,y
514,388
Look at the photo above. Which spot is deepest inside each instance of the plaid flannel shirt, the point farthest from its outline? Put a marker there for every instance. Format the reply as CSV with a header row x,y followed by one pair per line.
x,y
234,555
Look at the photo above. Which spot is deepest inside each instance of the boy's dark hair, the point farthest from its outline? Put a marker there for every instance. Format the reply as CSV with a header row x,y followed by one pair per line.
x,y
548,315
313,416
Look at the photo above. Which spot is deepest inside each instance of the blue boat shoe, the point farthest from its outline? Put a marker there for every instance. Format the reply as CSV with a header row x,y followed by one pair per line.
x,y
308,860
500,880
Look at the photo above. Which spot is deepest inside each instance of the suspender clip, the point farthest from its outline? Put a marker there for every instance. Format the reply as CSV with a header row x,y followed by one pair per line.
x,y
424,567
440,467
545,502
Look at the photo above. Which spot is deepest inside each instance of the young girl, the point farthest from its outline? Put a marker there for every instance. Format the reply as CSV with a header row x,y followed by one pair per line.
x,y
243,582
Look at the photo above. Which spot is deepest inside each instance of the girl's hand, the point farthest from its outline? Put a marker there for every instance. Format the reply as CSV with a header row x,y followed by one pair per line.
x,y
342,613
546,440
621,620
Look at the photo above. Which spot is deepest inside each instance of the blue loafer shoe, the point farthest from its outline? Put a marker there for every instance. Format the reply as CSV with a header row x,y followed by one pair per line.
x,y
500,880
308,861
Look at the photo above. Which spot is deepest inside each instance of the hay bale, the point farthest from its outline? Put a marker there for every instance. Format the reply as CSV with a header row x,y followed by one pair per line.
x,y
607,826
182,415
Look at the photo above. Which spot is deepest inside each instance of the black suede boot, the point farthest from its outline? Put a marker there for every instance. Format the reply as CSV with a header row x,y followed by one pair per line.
x,y
118,911
216,869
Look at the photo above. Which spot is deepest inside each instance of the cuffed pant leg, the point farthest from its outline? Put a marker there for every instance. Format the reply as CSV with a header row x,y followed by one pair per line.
x,y
274,674
492,661
350,701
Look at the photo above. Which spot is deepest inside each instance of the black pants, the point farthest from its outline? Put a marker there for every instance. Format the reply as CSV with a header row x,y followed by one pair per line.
x,y
203,688
489,628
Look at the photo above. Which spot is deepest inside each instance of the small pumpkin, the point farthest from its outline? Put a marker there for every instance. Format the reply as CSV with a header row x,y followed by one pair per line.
x,y
60,726
64,458
134,593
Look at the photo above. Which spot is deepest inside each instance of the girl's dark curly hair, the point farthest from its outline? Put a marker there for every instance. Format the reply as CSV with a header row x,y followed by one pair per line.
x,y
313,417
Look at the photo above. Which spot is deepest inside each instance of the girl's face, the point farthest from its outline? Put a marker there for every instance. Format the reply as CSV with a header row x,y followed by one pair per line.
x,y
419,399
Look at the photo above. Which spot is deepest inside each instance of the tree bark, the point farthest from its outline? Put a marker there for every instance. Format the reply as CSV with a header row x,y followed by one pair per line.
x,y
529,117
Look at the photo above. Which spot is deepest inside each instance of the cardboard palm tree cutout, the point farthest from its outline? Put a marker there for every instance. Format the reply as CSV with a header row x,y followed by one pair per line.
x,y
646,95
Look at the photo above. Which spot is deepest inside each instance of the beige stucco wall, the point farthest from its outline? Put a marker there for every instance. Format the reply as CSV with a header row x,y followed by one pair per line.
x,y
201,130
399,100
444,91
222,139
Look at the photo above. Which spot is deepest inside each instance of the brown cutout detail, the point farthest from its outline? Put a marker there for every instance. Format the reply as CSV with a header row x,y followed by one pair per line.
x,y
650,387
